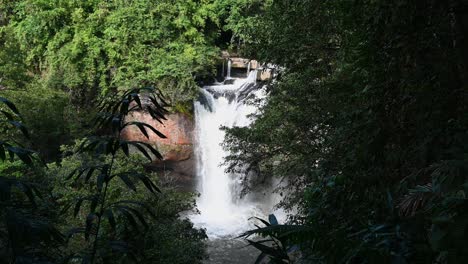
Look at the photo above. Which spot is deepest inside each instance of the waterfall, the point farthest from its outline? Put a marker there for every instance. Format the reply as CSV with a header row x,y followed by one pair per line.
x,y
229,69
222,213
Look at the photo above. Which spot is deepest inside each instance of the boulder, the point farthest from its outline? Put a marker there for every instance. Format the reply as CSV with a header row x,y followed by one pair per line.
x,y
178,128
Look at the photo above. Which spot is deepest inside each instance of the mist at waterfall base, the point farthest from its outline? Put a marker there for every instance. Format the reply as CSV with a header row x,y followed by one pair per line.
x,y
222,212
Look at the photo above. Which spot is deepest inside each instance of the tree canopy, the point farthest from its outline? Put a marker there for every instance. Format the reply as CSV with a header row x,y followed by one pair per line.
x,y
366,122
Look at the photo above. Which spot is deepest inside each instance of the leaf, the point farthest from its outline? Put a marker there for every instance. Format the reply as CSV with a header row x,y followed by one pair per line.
x,y
10,105
156,115
73,232
148,184
93,142
7,115
110,217
5,189
272,219
136,213
89,174
86,259
127,181
124,107
129,217
71,174
261,220
27,190
20,127
145,206
142,129
294,232
80,173
279,254
123,247
124,146
119,246
136,97
100,181
141,149
2,152
110,146
89,224
23,154
142,126
153,150
93,204
116,123
77,207
260,258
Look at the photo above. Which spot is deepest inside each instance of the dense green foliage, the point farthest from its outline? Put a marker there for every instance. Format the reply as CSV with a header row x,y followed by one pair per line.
x,y
74,51
89,47
367,122
43,207
56,59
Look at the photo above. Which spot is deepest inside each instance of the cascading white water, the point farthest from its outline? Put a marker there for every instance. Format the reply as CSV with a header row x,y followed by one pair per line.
x,y
229,69
222,213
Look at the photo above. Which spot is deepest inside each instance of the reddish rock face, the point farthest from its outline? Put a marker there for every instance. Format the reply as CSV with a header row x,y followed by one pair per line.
x,y
178,128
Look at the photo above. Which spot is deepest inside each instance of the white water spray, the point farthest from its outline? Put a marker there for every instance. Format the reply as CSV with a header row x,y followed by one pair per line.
x,y
222,213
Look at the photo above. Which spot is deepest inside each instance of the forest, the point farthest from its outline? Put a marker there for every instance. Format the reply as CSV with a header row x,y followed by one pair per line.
x,y
364,123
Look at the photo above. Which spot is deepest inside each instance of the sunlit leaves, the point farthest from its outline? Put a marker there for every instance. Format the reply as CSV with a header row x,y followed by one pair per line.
x,y
88,44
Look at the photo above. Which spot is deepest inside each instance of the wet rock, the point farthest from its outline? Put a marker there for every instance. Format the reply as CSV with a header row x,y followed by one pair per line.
x,y
229,81
178,128
180,174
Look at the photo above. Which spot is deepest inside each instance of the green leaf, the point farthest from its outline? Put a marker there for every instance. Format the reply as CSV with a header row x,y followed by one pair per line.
x,y
148,183
142,129
136,97
7,115
77,207
89,174
93,204
270,251
136,213
21,127
27,190
110,217
128,216
10,105
136,203
127,181
152,149
124,146
141,149
124,107
143,126
89,224
74,231
2,152
71,174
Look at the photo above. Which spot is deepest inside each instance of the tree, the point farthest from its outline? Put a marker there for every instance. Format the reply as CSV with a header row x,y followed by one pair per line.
x,y
93,47
27,233
365,121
